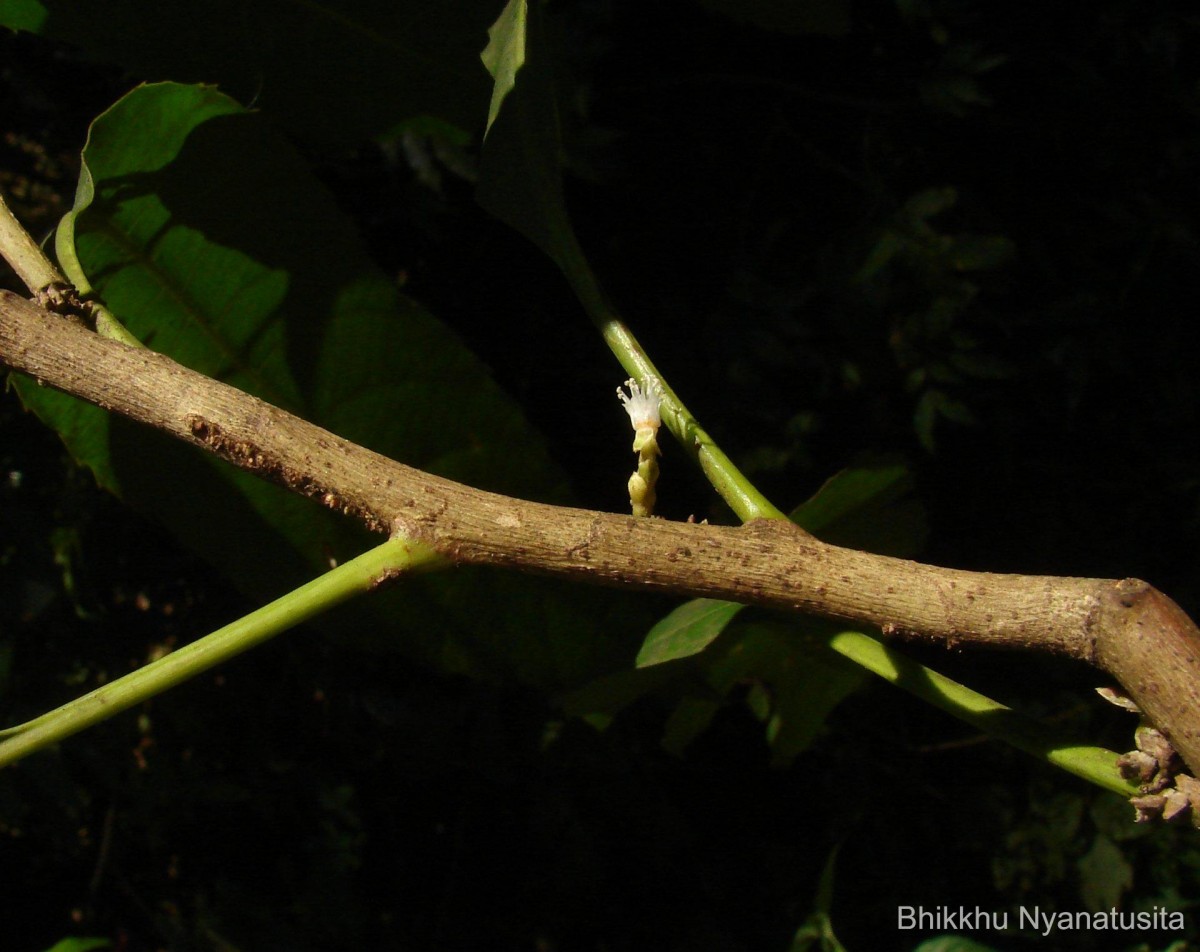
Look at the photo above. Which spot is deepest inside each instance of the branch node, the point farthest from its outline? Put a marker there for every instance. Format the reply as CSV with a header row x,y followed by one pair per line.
x,y
61,297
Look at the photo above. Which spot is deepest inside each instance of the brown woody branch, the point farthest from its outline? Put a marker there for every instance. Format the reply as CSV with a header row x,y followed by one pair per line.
x,y
1126,628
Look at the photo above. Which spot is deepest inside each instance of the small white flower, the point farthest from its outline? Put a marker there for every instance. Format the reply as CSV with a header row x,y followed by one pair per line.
x,y
642,406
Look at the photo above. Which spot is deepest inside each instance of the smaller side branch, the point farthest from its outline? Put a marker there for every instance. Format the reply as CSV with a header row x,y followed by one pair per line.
x,y
390,560
26,258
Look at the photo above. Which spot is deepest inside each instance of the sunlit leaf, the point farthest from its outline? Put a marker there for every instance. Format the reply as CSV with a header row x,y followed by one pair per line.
x,y
868,506
689,629
505,53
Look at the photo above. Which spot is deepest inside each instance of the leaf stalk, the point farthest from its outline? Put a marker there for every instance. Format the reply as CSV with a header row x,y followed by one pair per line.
x,y
391,559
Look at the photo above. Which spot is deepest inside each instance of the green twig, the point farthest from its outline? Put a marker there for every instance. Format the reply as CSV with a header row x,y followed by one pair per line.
x,y
393,558
730,483
20,250
1095,764
107,324
39,274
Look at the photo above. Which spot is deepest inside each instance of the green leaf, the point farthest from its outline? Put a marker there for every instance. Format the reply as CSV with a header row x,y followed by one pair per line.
x,y
520,178
869,507
505,53
22,15
211,240
686,631
334,73
80,945
805,680
795,679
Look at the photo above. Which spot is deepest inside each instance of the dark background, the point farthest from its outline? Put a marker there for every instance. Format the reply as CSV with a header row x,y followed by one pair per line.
x,y
730,181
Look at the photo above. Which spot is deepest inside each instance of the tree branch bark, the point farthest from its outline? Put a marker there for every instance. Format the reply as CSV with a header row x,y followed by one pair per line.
x,y
1126,628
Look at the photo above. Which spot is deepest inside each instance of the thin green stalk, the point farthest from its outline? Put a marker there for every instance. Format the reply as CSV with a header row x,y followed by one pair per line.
x,y
23,253
355,577
1094,764
107,324
729,482
38,273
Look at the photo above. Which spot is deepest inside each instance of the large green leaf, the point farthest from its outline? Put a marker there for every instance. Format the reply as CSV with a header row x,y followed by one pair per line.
x,y
520,180
798,679
331,72
868,506
688,630
22,14
505,53
795,682
210,239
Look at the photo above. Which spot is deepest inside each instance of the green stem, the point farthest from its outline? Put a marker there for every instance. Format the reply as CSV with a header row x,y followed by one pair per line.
x,y
352,578
32,266
23,253
729,482
107,324
1095,764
